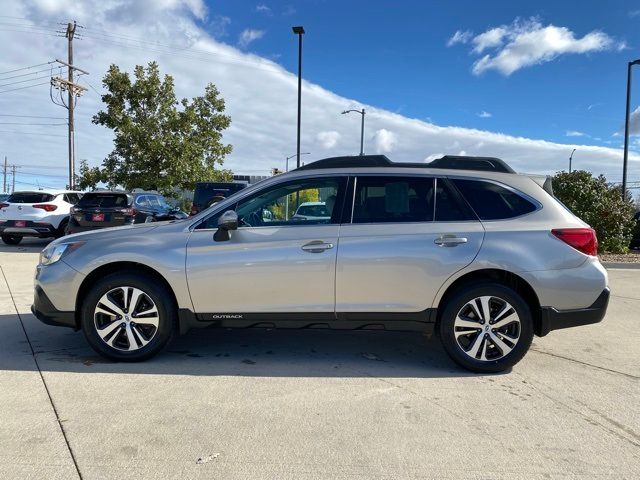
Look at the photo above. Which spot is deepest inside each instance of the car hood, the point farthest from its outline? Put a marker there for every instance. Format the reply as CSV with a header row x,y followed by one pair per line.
x,y
111,232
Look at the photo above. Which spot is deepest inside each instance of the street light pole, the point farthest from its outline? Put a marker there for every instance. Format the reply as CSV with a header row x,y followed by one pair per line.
x,y
626,129
571,158
291,156
361,112
299,31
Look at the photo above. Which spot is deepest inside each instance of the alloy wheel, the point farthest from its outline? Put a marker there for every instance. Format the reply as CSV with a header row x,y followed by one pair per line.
x,y
487,328
126,318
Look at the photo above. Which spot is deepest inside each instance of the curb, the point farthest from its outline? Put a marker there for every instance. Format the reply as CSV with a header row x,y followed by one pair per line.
x,y
621,265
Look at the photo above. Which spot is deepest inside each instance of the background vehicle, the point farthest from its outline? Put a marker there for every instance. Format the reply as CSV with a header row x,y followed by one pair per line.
x,y
312,211
39,214
209,193
102,209
4,196
635,240
462,246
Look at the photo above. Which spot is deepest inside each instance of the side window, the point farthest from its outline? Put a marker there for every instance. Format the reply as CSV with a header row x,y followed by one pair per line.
x,y
313,201
153,201
71,198
450,207
493,202
393,199
142,201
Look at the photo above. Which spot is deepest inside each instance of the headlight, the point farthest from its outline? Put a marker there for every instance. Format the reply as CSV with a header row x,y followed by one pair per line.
x,y
53,253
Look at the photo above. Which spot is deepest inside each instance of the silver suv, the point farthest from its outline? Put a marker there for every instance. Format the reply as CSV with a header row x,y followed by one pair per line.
x,y
461,246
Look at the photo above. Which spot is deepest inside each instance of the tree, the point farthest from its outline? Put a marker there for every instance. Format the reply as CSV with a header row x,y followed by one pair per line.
x,y
600,205
160,143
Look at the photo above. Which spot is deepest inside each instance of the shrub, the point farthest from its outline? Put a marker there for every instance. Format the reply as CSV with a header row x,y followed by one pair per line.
x,y
599,204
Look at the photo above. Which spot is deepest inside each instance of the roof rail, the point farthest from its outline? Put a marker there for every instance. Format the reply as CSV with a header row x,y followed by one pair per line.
x,y
452,162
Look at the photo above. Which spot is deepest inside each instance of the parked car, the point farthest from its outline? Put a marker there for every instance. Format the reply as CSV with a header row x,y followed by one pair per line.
x,y
210,193
41,214
4,196
312,211
106,208
461,246
635,240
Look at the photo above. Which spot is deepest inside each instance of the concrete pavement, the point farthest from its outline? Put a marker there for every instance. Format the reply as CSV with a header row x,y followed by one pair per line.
x,y
314,404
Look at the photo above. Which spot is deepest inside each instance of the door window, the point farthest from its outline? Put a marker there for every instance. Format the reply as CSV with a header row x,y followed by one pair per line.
x,y
142,201
450,206
311,201
393,199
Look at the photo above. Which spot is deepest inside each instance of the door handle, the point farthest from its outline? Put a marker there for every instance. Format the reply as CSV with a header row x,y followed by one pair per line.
x,y
449,241
317,246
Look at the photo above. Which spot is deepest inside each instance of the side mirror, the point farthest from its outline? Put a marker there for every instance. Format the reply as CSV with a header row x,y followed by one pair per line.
x,y
227,221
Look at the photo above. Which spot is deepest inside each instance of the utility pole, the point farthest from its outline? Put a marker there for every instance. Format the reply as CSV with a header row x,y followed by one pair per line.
x,y
72,90
4,183
13,173
71,31
626,129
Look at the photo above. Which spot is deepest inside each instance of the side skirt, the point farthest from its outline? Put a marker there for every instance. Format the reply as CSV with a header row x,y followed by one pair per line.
x,y
413,321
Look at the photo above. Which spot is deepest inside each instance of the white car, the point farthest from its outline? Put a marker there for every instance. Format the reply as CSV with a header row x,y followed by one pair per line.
x,y
39,214
312,211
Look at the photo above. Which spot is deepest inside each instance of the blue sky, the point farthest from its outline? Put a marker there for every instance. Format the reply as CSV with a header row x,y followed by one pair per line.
x,y
524,81
394,55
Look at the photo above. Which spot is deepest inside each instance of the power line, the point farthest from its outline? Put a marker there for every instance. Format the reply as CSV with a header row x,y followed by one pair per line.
x,y
22,88
29,73
27,68
30,116
24,81
16,132
39,124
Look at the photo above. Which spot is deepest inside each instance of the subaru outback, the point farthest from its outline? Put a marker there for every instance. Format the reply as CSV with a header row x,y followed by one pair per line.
x,y
463,247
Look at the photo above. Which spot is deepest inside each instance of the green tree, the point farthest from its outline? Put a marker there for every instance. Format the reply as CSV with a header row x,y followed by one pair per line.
x,y
600,204
160,143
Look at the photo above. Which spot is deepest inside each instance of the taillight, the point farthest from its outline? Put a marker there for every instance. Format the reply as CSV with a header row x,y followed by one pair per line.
x,y
47,207
129,212
582,239
4,205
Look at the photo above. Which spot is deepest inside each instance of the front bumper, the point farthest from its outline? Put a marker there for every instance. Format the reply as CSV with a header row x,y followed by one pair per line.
x,y
553,319
44,311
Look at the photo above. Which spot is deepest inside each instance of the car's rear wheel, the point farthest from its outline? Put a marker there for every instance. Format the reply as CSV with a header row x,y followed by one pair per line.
x,y
486,328
11,239
128,316
62,228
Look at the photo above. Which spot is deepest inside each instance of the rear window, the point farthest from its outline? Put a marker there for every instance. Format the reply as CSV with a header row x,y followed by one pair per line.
x,y
30,197
393,199
105,200
493,202
313,210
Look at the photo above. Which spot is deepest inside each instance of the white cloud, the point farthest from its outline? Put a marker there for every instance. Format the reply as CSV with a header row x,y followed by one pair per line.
x,y
328,139
385,140
634,122
489,39
575,133
460,37
634,13
526,43
484,114
263,8
260,96
249,35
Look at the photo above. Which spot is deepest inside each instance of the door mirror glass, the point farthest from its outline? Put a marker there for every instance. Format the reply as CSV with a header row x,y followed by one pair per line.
x,y
227,221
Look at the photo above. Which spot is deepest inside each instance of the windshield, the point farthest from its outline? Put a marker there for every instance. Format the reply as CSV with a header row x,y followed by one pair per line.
x,y
30,197
313,210
106,200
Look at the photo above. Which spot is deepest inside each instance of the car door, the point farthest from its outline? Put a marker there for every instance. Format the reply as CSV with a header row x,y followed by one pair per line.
x,y
273,262
406,236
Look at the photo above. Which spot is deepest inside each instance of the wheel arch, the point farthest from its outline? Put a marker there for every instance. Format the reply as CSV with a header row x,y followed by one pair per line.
x,y
109,268
503,277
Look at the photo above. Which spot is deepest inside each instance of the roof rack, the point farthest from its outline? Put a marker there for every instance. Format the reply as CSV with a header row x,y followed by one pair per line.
x,y
452,162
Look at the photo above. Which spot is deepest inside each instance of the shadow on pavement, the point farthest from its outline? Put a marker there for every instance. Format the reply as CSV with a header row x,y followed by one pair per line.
x,y
250,352
27,245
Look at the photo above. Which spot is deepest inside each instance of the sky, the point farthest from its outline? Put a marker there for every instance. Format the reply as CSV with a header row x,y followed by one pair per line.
x,y
524,81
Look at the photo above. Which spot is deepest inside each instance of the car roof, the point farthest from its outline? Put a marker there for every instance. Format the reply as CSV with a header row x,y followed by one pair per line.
x,y
47,191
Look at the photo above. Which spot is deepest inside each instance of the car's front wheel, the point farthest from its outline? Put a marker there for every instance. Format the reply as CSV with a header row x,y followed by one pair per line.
x,y
128,316
486,328
11,239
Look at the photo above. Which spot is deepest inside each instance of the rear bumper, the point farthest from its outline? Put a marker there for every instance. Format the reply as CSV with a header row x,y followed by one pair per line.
x,y
31,229
44,311
553,319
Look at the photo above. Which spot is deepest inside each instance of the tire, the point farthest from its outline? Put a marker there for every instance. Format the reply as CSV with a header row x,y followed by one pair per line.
x,y
107,296
472,342
11,239
62,228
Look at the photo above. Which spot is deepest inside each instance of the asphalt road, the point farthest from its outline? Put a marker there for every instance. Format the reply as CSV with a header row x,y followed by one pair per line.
x,y
315,404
